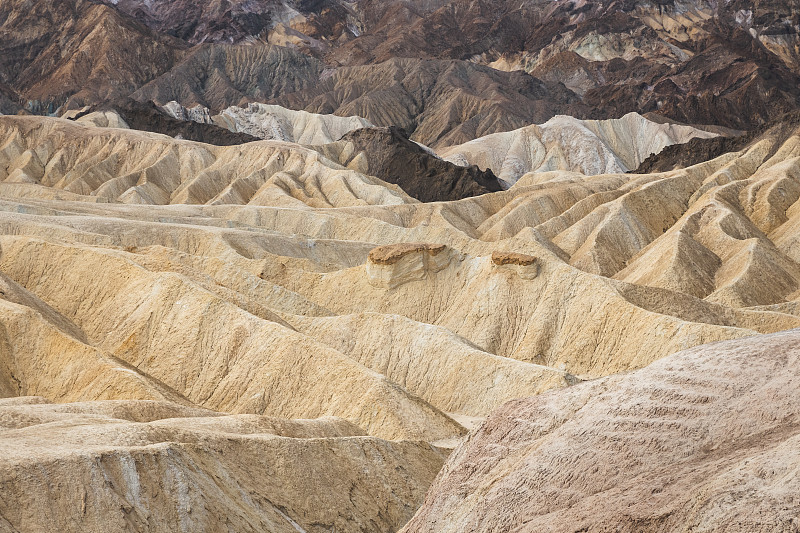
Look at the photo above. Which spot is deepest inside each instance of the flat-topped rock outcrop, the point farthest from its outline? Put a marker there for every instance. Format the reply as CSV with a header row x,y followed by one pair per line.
x,y
396,264
392,253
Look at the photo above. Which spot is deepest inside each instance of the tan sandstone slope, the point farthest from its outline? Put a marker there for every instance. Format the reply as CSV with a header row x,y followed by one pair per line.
x,y
703,440
268,280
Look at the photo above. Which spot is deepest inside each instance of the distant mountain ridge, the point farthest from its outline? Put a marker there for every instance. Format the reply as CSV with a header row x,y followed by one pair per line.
x,y
696,62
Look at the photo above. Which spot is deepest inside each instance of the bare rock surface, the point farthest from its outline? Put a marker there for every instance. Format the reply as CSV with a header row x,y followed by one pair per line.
x,y
75,53
703,440
438,102
271,122
219,76
388,153
157,466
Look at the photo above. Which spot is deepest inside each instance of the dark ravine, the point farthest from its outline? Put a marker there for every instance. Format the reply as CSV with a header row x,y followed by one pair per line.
x,y
9,100
395,159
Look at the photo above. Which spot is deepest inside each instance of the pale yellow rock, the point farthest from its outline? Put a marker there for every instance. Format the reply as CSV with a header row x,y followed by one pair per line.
x,y
250,291
104,119
703,440
394,265
139,167
278,123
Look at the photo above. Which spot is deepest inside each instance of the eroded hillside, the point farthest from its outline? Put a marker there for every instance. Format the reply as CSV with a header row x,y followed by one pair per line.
x,y
268,279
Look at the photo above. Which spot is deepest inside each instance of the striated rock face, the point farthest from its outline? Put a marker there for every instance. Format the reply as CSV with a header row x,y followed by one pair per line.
x,y
705,439
698,150
138,167
696,62
139,267
397,264
564,143
682,255
421,66
266,263
206,21
9,100
219,76
700,62
275,122
77,53
308,23
158,466
145,116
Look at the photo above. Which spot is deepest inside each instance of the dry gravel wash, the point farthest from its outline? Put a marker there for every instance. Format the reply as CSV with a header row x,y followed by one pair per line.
x,y
275,309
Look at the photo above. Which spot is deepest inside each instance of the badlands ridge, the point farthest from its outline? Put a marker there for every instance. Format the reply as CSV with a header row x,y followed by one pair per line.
x,y
268,337
305,266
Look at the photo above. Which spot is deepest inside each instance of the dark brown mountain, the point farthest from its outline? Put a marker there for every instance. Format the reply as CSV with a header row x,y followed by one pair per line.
x,y
146,116
394,158
700,150
204,21
420,65
9,100
696,62
440,102
217,76
77,52
236,21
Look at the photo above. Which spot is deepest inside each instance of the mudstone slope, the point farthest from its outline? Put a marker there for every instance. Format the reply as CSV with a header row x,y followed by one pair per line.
x,y
122,252
703,440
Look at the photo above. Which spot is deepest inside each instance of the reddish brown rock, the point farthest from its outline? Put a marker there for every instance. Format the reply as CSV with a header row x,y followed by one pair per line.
x,y
510,258
392,253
